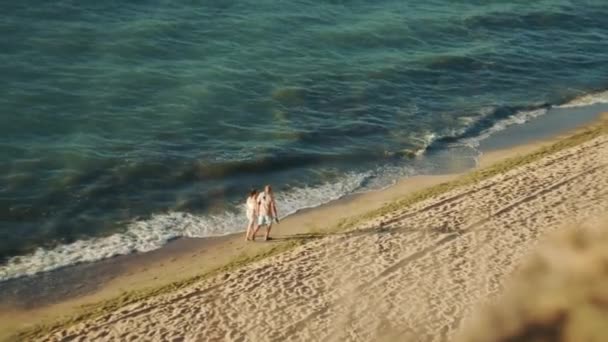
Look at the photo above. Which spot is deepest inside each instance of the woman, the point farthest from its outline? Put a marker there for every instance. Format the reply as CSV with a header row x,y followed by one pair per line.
x,y
252,212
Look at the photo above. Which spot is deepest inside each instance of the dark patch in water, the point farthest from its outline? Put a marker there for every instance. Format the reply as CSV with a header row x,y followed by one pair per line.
x,y
448,62
267,165
129,110
484,123
545,20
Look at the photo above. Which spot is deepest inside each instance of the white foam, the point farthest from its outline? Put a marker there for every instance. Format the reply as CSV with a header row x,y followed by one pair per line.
x,y
427,139
310,197
587,100
153,233
387,176
518,118
522,117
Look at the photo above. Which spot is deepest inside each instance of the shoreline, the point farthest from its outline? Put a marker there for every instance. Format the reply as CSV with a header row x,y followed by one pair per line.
x,y
412,269
436,156
182,259
186,258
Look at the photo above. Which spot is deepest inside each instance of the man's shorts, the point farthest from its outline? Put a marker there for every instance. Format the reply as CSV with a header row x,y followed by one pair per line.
x,y
264,220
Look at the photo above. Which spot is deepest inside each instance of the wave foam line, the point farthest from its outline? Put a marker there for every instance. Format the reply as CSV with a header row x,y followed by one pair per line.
x,y
147,235
587,100
524,116
518,118
153,233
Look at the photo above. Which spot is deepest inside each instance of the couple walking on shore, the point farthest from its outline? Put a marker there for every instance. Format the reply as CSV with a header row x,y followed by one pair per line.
x,y
261,211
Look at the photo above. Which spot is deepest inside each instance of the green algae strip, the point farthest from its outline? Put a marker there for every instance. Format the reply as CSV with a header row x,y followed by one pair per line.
x,y
107,306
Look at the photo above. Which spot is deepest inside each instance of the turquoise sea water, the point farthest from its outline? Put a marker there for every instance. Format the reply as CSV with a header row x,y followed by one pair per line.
x,y
124,124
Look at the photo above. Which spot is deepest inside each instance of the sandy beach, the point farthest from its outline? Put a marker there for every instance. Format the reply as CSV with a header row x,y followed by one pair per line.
x,y
413,271
420,155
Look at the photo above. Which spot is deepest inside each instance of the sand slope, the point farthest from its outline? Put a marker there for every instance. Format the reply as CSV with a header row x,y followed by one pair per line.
x,y
560,293
414,276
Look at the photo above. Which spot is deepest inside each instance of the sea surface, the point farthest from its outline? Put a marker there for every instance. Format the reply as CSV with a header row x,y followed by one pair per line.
x,y
125,124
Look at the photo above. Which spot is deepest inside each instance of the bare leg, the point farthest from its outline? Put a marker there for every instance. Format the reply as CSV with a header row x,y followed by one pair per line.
x,y
255,231
268,231
249,230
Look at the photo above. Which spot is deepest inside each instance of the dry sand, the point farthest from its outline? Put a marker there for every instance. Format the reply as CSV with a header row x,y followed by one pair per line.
x,y
413,274
47,297
560,293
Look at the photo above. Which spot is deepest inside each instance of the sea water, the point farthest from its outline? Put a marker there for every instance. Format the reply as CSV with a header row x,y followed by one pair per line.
x,y
125,124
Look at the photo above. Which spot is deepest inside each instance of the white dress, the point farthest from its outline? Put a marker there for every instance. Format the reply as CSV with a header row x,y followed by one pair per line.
x,y
251,209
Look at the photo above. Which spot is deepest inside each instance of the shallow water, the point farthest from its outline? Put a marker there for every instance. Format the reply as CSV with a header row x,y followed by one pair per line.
x,y
126,124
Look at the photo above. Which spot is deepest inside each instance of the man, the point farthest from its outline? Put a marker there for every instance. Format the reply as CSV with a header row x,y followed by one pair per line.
x,y
267,211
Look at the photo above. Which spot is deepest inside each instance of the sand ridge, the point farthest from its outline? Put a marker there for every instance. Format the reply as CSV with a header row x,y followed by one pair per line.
x,y
413,274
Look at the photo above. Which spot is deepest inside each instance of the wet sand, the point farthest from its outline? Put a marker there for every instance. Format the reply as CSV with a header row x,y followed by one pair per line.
x,y
413,271
413,274
48,296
